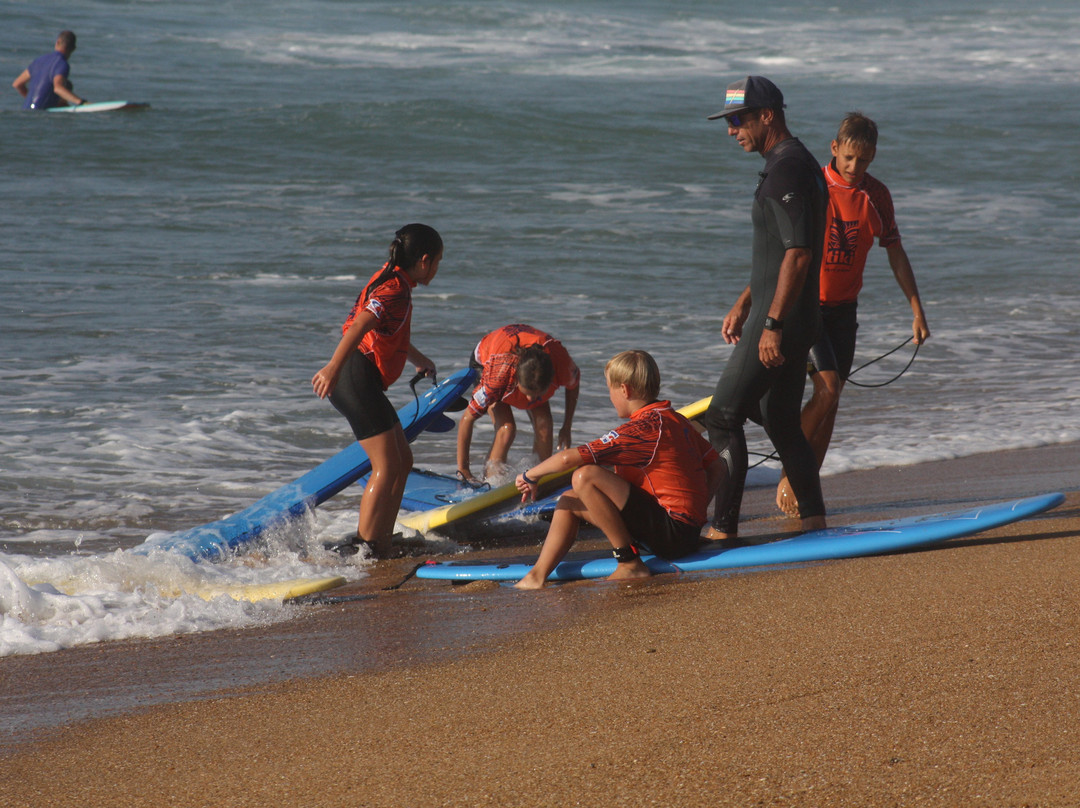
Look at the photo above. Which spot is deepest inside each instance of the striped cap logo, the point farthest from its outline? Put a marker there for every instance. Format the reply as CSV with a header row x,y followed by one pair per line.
x,y
735,97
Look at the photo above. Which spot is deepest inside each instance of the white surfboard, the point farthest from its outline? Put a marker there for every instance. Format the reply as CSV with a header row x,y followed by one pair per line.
x,y
101,106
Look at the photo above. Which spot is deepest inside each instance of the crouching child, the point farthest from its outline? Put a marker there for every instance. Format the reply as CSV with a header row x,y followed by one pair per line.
x,y
655,494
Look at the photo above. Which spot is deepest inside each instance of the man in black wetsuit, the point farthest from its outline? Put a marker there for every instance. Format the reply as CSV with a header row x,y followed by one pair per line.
x,y
776,319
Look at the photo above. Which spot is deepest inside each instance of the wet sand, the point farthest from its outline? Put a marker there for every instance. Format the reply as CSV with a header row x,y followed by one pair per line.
x,y
947,676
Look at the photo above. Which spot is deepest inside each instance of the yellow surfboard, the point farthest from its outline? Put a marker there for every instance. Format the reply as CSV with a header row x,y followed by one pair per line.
x,y
276,590
424,521
697,409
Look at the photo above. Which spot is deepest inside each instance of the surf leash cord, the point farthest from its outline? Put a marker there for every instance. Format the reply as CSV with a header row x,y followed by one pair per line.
x,y
887,353
773,455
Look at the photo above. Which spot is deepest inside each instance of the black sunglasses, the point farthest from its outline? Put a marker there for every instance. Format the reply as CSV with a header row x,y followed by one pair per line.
x,y
738,119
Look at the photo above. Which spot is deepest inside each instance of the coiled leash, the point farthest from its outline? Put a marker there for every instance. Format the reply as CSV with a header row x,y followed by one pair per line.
x,y
773,455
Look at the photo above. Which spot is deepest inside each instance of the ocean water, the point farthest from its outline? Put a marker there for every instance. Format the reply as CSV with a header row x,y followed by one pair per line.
x,y
171,279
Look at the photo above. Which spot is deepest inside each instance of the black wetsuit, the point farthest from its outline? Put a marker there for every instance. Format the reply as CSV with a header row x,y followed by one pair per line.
x,y
788,211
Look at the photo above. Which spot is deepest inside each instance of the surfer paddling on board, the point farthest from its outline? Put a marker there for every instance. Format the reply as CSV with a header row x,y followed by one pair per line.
x,y
369,357
776,318
860,210
520,367
45,82
654,496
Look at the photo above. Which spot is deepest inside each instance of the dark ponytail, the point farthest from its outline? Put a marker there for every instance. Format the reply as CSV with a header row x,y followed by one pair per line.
x,y
413,242
410,244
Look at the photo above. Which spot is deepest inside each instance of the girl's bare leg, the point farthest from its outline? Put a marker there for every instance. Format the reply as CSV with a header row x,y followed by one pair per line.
x,y
391,461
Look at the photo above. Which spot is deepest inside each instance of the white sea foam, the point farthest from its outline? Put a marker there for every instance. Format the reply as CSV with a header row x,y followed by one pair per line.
x,y
61,601
908,47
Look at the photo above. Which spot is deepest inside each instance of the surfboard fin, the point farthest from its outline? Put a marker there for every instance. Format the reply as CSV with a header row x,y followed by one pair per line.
x,y
441,423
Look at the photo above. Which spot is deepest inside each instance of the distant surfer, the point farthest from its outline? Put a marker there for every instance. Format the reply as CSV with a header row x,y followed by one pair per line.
x,y
520,367
656,494
776,319
369,357
860,210
45,82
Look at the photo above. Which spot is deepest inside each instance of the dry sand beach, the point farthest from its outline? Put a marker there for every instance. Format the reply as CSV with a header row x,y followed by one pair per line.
x,y
948,676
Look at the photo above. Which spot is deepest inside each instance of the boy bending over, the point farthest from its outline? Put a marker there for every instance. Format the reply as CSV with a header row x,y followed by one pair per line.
x,y
663,474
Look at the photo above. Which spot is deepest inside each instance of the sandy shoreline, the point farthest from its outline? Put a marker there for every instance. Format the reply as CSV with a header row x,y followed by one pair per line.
x,y
944,677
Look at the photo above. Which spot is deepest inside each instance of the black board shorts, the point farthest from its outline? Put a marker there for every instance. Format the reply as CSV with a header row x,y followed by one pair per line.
x,y
654,529
835,350
359,396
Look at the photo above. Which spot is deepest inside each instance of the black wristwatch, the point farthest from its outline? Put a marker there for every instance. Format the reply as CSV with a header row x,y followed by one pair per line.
x,y
772,324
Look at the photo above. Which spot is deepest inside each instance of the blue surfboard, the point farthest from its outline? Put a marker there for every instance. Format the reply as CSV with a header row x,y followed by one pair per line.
x,y
430,489
215,539
851,541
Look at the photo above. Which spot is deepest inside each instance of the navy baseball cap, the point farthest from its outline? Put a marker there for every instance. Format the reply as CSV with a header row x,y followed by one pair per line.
x,y
753,92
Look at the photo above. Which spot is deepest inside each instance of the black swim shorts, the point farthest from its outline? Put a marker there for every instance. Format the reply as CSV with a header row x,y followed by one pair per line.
x,y
655,530
835,350
359,396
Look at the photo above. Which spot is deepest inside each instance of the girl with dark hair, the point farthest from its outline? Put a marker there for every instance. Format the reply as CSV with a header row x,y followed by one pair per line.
x,y
369,357
520,367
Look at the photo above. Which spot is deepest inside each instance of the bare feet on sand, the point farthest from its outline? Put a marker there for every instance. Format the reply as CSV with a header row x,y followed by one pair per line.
x,y
628,570
624,571
532,580
785,499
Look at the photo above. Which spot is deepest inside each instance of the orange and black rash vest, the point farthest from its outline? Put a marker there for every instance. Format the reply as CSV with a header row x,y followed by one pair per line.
x,y
857,215
388,295
661,453
498,379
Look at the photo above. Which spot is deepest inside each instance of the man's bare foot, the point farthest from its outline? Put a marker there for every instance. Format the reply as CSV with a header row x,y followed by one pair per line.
x,y
785,499
628,570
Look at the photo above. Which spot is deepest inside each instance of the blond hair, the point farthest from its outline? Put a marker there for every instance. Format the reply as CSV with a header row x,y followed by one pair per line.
x,y
637,370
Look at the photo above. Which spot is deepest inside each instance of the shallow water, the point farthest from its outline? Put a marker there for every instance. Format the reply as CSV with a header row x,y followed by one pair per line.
x,y
173,277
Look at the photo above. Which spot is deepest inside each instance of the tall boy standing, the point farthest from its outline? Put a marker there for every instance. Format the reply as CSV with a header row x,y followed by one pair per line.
x,y
860,210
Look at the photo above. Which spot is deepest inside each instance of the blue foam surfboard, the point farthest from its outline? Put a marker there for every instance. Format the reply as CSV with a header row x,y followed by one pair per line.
x,y
215,539
429,489
851,541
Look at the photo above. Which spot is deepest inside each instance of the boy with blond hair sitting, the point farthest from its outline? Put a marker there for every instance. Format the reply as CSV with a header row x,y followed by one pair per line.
x,y
654,495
